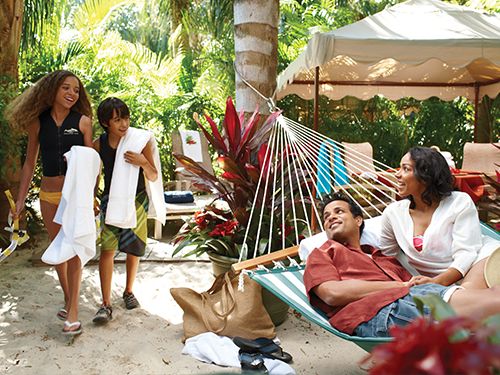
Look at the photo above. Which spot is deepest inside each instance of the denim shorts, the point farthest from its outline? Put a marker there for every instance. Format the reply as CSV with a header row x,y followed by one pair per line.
x,y
400,312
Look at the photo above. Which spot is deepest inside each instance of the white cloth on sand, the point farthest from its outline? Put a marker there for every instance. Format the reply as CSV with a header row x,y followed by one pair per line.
x,y
75,212
121,211
191,144
211,348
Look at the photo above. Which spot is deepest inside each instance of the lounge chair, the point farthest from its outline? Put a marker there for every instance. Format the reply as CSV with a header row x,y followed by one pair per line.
x,y
485,158
194,145
481,157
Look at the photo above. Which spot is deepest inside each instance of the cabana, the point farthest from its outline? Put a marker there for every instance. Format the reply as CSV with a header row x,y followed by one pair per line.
x,y
419,49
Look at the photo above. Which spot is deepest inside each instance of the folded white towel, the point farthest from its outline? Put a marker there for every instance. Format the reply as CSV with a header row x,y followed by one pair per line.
x,y
191,145
121,207
211,348
75,212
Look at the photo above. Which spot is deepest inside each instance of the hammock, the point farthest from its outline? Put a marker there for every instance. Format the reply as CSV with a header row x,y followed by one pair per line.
x,y
300,162
288,285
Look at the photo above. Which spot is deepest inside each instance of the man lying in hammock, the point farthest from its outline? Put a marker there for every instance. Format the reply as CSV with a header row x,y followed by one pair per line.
x,y
364,292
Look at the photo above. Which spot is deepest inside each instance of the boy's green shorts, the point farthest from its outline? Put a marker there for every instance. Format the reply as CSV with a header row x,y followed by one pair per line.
x,y
130,241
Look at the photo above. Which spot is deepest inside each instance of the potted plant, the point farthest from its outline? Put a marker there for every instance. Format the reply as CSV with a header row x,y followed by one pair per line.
x,y
241,155
241,150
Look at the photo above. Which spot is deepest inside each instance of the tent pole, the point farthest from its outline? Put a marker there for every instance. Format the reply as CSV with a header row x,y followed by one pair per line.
x,y
314,224
316,98
476,113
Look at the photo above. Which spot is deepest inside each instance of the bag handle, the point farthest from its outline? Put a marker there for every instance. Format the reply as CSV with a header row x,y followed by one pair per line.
x,y
228,301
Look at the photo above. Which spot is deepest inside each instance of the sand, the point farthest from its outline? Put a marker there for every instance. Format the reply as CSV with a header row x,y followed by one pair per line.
x,y
141,341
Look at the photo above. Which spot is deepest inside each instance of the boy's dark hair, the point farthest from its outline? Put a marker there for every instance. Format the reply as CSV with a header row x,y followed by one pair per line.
x,y
354,207
106,108
433,171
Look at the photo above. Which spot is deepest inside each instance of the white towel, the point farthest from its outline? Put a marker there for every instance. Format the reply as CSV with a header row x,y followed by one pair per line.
x,y
157,208
191,145
75,212
211,348
121,206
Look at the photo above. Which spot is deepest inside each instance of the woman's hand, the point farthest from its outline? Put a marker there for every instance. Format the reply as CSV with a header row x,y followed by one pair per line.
x,y
419,280
19,208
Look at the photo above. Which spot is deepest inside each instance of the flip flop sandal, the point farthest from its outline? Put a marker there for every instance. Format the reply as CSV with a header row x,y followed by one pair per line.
x,y
70,331
252,362
265,346
62,314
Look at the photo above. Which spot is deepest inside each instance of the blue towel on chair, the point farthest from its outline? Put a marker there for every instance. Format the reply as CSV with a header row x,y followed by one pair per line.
x,y
179,196
329,153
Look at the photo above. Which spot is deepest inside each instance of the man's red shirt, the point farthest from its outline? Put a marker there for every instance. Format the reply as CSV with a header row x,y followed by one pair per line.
x,y
334,261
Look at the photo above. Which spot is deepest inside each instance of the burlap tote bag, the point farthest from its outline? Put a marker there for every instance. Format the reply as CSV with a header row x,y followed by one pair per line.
x,y
225,310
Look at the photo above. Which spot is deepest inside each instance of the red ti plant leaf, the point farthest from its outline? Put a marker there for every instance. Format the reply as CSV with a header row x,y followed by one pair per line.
x,y
241,117
253,172
232,126
236,179
229,165
249,130
194,167
215,139
264,156
261,134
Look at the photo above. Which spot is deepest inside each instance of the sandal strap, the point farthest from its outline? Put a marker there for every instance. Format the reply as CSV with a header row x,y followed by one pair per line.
x,y
70,325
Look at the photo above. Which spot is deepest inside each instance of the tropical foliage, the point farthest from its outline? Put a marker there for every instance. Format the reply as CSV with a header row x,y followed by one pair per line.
x,y
242,159
170,58
452,345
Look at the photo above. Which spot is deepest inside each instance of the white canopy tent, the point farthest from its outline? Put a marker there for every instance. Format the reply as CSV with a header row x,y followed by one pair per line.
x,y
419,48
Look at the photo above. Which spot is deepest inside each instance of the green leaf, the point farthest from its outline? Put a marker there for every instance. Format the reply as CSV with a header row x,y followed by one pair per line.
x,y
181,246
494,322
440,310
263,246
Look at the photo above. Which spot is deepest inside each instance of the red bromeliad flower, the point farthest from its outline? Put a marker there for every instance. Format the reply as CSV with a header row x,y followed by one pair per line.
x,y
224,229
436,348
201,219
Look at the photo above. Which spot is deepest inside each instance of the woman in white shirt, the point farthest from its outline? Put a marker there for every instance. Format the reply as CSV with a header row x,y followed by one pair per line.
x,y
437,228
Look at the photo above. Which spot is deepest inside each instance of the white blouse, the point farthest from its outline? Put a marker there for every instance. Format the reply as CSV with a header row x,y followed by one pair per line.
x,y
453,238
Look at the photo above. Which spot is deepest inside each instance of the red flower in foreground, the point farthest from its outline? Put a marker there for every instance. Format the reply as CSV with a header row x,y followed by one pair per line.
x,y
224,229
436,348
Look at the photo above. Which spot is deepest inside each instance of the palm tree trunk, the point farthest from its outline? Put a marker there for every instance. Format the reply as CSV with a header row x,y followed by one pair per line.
x,y
11,17
11,22
256,50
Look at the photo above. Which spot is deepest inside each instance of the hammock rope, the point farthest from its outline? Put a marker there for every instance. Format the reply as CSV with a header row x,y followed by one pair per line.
x,y
299,163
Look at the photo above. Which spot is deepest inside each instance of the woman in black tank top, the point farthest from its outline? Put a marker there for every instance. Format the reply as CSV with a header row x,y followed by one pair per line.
x,y
56,114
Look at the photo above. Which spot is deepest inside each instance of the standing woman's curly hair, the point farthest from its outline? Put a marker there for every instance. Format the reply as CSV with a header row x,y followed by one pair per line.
x,y
26,108
433,171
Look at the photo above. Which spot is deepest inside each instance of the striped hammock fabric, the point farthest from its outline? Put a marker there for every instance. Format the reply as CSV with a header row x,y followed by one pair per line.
x,y
288,285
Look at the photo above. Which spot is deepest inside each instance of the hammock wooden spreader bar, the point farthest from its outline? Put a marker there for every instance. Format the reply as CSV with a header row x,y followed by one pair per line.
x,y
266,259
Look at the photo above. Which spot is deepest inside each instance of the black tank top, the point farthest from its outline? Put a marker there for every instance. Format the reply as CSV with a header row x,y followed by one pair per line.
x,y
108,156
55,141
